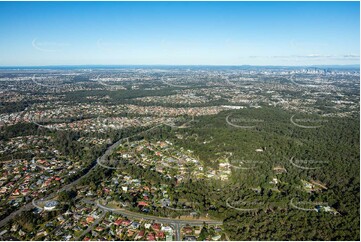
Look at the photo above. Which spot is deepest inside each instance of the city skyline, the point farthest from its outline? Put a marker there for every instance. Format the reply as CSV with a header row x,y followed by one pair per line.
x,y
179,33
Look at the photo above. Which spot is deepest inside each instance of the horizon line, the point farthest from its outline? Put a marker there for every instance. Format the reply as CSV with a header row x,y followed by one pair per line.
x,y
224,65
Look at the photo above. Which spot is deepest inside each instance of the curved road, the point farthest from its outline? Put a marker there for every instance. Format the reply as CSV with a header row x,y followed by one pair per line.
x,y
241,209
303,209
175,223
109,150
136,215
30,205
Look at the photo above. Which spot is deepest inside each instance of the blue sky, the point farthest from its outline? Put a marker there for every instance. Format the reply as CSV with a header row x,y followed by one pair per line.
x,y
185,33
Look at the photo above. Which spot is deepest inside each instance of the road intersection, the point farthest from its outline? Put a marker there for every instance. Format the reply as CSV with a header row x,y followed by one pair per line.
x,y
177,224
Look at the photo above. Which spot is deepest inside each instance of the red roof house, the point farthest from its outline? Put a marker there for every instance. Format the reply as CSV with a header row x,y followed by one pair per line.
x,y
118,222
150,236
156,226
142,203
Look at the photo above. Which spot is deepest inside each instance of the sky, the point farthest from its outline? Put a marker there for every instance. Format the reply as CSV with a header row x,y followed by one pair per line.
x,y
179,33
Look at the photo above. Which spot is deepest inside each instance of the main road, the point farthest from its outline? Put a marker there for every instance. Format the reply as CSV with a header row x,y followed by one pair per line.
x,y
94,164
175,223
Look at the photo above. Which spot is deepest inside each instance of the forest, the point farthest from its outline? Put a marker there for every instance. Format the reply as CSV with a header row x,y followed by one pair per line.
x,y
333,148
